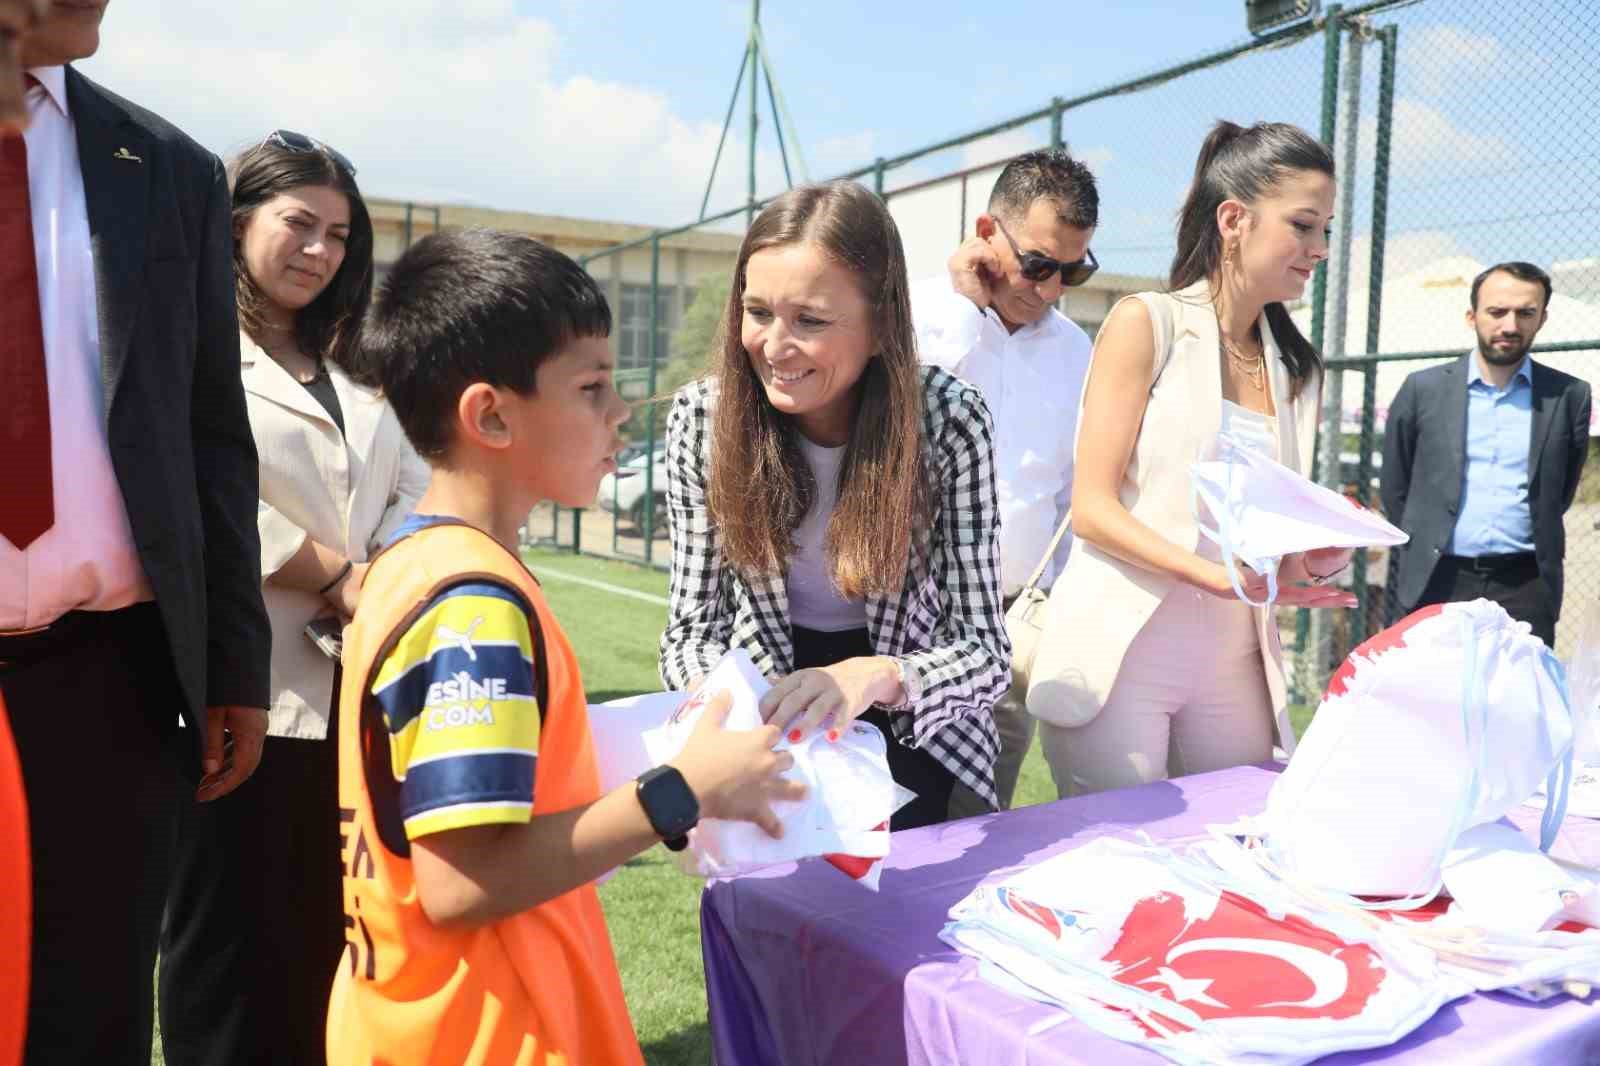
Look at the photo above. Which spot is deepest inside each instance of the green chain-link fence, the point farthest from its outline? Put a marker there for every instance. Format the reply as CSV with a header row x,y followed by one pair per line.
x,y
1465,134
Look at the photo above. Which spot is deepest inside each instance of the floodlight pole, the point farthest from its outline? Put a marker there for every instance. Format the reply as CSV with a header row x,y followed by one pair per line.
x,y
755,106
759,65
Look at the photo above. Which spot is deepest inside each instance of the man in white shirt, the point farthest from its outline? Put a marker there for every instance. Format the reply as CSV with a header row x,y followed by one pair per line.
x,y
992,321
130,582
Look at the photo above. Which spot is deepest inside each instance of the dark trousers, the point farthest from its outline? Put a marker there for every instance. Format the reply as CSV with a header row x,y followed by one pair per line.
x,y
255,915
912,768
94,704
1511,581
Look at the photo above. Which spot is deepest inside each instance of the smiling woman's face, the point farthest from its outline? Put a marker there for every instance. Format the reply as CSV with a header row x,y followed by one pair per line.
x,y
293,244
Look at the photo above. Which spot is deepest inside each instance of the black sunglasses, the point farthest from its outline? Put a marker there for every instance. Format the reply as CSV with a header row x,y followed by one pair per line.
x,y
291,141
1036,266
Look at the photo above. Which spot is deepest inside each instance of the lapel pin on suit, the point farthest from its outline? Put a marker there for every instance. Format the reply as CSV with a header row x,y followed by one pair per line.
x,y
126,156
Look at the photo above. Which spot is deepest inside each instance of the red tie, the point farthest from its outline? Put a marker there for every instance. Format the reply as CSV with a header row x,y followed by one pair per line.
x,y
26,507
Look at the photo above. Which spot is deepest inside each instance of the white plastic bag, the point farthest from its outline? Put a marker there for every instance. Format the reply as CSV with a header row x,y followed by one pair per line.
x,y
1444,721
849,800
1264,511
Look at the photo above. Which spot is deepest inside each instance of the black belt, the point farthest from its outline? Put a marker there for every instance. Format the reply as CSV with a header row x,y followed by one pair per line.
x,y
75,629
1490,564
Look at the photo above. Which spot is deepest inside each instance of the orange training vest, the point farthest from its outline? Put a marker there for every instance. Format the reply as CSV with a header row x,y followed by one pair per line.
x,y
540,987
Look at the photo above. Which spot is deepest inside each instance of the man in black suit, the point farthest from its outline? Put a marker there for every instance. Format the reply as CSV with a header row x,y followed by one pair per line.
x,y
129,565
1481,458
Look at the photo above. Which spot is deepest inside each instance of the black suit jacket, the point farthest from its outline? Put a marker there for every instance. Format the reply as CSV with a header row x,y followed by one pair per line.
x,y
1424,462
160,219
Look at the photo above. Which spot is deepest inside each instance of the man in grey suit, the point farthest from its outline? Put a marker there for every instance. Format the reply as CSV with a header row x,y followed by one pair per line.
x,y
1481,458
130,588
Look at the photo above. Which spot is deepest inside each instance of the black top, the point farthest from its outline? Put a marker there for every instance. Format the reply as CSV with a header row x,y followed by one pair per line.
x,y
321,390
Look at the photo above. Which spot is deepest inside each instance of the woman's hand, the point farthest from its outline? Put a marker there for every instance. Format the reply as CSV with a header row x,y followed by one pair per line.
x,y
347,593
1290,594
1323,564
831,697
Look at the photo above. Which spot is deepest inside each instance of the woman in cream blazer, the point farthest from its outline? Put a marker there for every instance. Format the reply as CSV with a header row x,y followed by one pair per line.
x,y
347,492
255,923
1149,664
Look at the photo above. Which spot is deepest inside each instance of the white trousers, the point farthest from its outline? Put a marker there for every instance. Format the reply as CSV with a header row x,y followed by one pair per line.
x,y
1191,697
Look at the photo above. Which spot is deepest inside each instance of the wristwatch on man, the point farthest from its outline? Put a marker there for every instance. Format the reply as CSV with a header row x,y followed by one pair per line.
x,y
670,804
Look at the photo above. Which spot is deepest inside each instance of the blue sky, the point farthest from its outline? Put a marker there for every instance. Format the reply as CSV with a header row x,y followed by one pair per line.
x,y
611,108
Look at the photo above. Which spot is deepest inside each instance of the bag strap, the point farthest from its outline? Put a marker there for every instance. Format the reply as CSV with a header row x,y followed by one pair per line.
x,y
1049,553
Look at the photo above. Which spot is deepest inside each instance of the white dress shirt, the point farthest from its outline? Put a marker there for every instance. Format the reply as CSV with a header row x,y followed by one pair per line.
x,y
1031,380
87,560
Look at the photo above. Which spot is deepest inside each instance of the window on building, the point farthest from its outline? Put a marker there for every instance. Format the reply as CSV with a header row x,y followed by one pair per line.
x,y
633,325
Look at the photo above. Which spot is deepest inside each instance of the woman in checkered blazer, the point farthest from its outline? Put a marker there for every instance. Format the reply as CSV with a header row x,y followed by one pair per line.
x,y
833,506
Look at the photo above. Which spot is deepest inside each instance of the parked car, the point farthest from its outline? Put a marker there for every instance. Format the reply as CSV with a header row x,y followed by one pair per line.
x,y
622,493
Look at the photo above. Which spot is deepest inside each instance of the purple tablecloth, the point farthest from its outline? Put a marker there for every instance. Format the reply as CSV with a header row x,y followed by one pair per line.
x,y
804,967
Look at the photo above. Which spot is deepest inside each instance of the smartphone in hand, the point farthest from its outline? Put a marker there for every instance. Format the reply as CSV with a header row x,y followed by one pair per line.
x,y
327,633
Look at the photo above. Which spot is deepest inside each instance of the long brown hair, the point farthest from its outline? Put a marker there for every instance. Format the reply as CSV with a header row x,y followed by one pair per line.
x,y
1246,164
760,485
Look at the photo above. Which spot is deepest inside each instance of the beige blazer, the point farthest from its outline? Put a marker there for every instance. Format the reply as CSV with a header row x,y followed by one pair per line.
x,y
1100,603
346,493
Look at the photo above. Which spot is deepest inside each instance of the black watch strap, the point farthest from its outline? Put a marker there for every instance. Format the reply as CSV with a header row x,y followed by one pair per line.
x,y
670,804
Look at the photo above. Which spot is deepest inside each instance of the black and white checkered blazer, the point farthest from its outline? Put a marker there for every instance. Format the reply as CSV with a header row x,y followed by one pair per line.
x,y
946,628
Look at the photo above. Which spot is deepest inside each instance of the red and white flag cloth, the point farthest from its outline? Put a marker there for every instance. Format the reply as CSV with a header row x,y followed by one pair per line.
x,y
1511,918
1153,948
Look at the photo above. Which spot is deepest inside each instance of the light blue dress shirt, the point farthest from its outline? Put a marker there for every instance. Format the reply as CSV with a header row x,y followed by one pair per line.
x,y
1495,517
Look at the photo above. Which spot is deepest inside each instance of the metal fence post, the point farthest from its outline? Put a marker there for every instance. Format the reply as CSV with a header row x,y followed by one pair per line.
x,y
1332,27
1338,302
1304,641
1389,37
650,393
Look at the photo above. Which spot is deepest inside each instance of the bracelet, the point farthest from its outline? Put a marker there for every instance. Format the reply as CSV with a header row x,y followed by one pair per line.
x,y
344,572
1323,579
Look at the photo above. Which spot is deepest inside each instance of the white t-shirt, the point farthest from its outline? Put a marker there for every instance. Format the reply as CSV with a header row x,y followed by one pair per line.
x,y
814,602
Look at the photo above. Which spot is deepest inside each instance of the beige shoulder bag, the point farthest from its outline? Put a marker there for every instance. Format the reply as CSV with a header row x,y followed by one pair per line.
x,y
1025,619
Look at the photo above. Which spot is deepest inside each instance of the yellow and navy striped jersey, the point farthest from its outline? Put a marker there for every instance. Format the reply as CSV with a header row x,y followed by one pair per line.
x,y
457,693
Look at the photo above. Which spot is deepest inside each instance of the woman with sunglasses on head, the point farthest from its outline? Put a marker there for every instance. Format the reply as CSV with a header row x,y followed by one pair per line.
x,y
833,507
255,922
1149,662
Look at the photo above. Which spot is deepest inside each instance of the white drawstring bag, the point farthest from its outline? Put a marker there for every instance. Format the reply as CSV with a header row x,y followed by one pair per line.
x,y
1442,722
1264,511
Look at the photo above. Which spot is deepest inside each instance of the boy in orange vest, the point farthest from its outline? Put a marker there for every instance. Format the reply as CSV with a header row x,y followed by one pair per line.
x,y
472,820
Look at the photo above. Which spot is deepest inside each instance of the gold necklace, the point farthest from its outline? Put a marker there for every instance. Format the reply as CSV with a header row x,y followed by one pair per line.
x,y
1253,367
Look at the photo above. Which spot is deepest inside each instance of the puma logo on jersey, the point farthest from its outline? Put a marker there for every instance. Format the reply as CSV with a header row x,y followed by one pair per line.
x,y
462,640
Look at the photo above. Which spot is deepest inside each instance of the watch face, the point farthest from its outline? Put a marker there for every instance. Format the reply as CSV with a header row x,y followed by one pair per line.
x,y
668,801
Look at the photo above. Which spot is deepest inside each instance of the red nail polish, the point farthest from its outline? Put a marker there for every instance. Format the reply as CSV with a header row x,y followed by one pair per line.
x,y
833,735
794,736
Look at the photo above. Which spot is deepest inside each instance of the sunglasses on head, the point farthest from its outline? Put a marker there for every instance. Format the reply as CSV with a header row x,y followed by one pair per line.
x,y
290,141
1036,266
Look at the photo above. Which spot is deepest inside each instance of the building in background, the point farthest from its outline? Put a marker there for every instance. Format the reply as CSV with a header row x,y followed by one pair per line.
x,y
686,258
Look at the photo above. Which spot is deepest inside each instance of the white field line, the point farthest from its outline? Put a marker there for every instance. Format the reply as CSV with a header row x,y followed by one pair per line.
x,y
647,597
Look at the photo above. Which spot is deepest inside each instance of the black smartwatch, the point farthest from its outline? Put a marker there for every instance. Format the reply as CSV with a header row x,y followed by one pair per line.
x,y
669,803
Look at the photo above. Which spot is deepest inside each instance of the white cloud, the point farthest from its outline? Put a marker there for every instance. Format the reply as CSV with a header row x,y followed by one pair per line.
x,y
1423,136
1448,57
455,100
